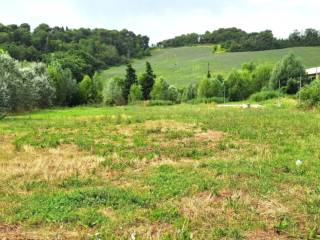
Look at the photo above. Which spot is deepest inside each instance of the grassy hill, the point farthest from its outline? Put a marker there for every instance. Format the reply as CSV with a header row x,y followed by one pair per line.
x,y
181,65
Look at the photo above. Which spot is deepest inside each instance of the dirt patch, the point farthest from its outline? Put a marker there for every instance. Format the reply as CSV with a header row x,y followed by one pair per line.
x,y
46,164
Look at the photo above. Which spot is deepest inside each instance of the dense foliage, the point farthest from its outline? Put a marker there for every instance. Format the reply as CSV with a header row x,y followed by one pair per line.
x,y
237,40
24,86
287,74
310,94
83,51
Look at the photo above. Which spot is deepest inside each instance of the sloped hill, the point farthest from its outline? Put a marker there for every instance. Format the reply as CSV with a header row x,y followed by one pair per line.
x,y
181,65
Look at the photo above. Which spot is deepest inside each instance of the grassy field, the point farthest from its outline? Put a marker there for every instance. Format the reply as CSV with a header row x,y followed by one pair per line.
x,y
179,172
182,65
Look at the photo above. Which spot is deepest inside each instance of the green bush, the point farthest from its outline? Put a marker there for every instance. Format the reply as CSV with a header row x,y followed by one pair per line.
x,y
217,100
136,93
160,90
173,94
288,69
114,92
210,87
239,85
160,103
310,94
264,95
190,92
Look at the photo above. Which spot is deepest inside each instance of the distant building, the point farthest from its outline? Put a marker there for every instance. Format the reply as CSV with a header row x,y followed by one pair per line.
x,y
313,72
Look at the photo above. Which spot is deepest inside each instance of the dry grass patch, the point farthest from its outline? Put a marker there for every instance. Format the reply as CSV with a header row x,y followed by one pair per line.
x,y
46,164
149,231
165,125
13,232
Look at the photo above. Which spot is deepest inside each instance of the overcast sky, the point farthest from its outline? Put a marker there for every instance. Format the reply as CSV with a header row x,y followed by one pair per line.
x,y
164,19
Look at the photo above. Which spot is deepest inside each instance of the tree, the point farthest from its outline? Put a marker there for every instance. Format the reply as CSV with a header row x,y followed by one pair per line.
x,y
287,68
210,88
160,90
130,79
67,91
261,77
114,92
147,81
4,97
136,93
239,86
190,92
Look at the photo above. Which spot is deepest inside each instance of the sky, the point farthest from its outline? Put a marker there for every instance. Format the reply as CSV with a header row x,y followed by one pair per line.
x,y
165,19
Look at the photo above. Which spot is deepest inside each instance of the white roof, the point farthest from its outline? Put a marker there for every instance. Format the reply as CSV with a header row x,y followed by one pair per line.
x,y
313,71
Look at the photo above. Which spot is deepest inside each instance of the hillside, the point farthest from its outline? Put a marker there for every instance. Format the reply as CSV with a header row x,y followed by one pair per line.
x,y
181,65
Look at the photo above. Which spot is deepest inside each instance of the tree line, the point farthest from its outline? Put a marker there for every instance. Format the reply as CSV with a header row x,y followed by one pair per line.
x,y
237,40
82,50
261,80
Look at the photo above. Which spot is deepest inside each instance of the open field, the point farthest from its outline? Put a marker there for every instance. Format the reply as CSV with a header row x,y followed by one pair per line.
x,y
180,172
182,65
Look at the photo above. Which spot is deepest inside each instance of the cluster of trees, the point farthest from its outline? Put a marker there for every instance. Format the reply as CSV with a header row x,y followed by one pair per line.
x,y
83,50
132,89
285,77
237,40
26,86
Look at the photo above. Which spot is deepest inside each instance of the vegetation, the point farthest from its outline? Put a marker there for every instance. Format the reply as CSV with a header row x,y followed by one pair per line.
x,y
83,51
310,94
287,74
24,87
185,171
181,66
237,40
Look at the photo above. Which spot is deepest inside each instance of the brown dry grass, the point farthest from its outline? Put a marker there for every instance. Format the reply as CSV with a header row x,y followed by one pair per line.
x,y
45,164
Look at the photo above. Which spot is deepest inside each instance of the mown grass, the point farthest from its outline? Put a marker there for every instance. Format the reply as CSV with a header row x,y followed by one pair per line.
x,y
182,65
178,172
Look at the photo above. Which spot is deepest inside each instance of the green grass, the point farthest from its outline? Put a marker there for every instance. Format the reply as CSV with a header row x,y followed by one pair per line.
x,y
167,171
180,66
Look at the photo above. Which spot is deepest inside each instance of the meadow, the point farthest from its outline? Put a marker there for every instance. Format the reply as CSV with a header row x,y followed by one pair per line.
x,y
163,172
180,66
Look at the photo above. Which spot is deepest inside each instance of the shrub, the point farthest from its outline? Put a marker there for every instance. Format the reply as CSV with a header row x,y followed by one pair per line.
x,y
114,92
160,90
160,103
173,94
217,100
310,94
135,94
264,95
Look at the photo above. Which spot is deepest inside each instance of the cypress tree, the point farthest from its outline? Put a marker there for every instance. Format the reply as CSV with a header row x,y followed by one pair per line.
x,y
147,81
131,78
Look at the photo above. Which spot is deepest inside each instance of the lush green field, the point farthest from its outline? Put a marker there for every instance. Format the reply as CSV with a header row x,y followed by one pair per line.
x,y
179,172
181,65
